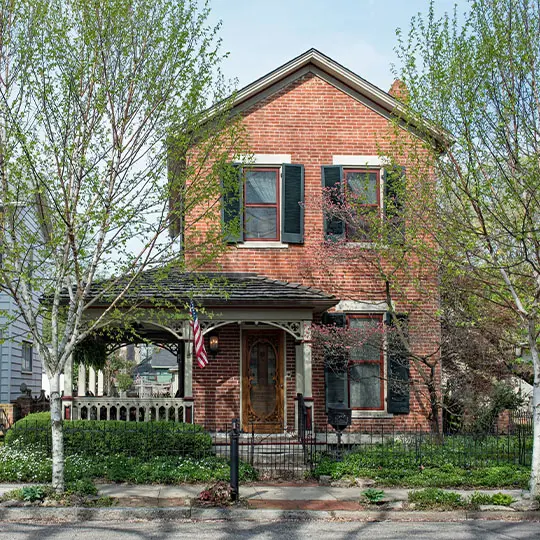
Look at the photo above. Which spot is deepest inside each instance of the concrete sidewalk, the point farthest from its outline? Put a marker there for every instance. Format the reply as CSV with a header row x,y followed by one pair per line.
x,y
157,494
263,502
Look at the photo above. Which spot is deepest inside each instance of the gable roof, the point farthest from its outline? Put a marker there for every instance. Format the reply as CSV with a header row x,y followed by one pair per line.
x,y
313,61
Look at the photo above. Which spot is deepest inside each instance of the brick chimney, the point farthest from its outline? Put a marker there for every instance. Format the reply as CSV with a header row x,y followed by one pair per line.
x,y
399,90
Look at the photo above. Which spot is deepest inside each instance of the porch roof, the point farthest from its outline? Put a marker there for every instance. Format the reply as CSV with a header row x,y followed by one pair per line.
x,y
210,289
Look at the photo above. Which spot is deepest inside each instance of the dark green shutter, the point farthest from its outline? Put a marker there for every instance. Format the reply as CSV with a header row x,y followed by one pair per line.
x,y
398,367
335,319
332,178
336,380
394,203
292,204
232,210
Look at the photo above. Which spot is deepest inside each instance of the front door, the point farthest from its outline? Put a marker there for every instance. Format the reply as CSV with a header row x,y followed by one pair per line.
x,y
262,381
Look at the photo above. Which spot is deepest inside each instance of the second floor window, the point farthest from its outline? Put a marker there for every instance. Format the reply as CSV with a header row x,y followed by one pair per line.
x,y
354,203
263,203
261,218
362,190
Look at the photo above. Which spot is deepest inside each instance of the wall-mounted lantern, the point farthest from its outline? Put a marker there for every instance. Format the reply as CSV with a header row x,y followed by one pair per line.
x,y
213,344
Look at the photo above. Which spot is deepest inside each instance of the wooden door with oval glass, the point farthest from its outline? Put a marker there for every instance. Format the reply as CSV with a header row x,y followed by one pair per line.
x,y
262,381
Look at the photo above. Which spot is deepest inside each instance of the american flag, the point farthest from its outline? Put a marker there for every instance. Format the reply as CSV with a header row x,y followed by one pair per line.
x,y
198,340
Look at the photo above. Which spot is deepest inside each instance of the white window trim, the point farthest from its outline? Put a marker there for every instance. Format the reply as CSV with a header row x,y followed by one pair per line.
x,y
360,161
265,159
372,414
359,306
253,244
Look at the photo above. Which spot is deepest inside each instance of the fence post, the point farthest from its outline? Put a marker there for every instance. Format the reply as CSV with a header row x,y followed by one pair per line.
x,y
235,435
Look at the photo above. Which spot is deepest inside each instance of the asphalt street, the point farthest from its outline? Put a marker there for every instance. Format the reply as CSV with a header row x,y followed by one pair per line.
x,y
336,530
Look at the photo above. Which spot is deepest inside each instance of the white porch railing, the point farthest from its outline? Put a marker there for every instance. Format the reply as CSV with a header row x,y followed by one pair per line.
x,y
136,409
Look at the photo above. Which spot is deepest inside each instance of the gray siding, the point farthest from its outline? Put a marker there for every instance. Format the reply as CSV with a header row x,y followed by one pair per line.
x,y
15,331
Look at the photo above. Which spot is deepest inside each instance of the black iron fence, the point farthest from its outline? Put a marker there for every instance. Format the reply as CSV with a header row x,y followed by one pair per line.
x,y
5,422
293,454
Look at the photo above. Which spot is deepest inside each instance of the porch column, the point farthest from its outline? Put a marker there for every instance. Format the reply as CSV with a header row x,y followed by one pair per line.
x,y
100,381
308,384
81,386
68,378
188,376
306,353
188,364
92,380
178,373
298,379
67,398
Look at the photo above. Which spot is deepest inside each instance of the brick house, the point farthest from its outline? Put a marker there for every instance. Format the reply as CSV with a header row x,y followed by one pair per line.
x,y
310,123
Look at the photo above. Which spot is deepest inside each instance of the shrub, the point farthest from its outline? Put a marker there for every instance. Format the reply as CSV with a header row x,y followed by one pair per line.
x,y
27,493
108,437
372,495
33,493
436,498
82,486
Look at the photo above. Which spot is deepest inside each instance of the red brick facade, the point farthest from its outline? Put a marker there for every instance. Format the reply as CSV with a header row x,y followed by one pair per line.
x,y
312,120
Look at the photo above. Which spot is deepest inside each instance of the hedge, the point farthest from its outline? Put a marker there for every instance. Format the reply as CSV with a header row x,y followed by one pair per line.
x,y
110,437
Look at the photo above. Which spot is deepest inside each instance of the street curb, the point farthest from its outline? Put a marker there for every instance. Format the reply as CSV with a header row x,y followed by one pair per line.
x,y
79,514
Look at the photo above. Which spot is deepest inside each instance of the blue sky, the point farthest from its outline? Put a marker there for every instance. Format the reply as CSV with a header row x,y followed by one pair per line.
x,y
261,35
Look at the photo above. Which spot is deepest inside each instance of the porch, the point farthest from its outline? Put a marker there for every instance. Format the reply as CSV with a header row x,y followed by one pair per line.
x,y
263,361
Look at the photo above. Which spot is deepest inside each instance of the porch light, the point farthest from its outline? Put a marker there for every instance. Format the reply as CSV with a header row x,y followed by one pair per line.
x,y
213,344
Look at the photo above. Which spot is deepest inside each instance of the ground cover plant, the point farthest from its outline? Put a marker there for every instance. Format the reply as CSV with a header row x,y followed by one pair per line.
x,y
436,498
18,464
499,499
465,462
80,493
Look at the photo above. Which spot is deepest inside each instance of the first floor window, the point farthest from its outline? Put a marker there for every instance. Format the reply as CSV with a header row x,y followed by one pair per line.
x,y
261,219
358,380
27,352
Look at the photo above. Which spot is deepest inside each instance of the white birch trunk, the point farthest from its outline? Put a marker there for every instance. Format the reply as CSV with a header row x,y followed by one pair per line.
x,y
57,434
535,464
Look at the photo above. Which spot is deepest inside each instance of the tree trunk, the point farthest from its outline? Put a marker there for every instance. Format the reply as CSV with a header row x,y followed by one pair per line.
x,y
434,402
535,464
57,435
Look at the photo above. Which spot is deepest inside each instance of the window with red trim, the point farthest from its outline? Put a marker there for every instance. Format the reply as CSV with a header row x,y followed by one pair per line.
x,y
366,364
362,190
261,204
360,383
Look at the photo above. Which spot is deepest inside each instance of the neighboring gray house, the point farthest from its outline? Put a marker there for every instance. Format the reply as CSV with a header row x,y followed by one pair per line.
x,y
19,361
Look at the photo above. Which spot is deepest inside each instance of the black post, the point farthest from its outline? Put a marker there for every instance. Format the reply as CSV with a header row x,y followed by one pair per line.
x,y
235,436
180,393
